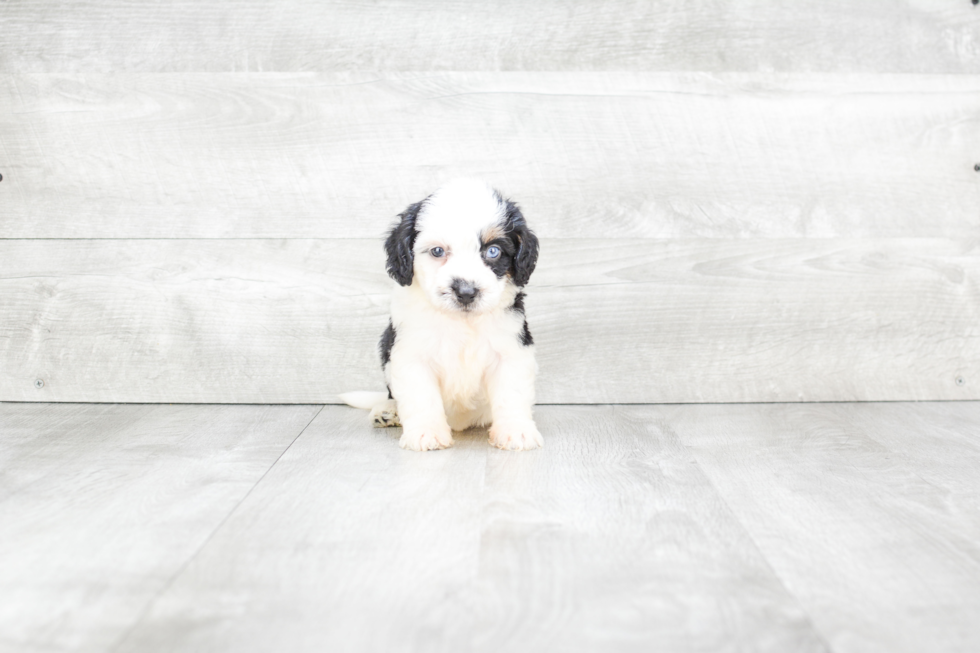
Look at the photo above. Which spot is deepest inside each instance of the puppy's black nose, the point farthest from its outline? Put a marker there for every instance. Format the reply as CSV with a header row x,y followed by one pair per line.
x,y
465,291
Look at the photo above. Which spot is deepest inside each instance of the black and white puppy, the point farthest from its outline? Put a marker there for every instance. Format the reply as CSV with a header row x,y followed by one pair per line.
x,y
457,352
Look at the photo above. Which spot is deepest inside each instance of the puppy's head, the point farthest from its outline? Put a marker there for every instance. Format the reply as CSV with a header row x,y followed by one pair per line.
x,y
464,245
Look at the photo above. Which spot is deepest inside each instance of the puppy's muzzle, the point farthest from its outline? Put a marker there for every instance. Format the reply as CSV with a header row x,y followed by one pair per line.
x,y
464,291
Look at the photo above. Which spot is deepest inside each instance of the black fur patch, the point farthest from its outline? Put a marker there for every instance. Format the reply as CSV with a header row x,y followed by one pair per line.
x,y
399,245
526,338
504,263
518,305
387,342
520,254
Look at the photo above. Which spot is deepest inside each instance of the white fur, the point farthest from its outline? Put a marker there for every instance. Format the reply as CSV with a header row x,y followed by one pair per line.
x,y
360,399
454,367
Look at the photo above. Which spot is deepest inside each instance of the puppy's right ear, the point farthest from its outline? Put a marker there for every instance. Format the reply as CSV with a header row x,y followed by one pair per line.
x,y
398,246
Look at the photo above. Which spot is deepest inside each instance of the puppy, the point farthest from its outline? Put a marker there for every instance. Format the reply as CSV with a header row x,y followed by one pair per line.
x,y
457,352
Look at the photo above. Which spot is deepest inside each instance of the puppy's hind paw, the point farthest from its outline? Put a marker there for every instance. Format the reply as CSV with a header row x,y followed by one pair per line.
x,y
385,415
518,435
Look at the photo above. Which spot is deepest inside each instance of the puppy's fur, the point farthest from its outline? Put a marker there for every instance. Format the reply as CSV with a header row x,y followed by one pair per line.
x,y
457,352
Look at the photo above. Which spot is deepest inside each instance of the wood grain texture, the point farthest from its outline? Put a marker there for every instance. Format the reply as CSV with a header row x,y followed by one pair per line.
x,y
298,321
610,538
192,321
671,155
101,505
866,512
934,36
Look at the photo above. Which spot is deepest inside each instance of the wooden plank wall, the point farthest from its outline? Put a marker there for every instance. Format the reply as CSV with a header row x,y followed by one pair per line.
x,y
741,201
111,36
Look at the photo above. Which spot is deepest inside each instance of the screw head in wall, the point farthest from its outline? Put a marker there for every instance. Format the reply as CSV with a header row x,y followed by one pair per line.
x,y
960,380
976,167
38,384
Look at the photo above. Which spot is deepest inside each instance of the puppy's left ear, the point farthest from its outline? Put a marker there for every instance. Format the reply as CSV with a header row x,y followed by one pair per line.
x,y
400,243
526,242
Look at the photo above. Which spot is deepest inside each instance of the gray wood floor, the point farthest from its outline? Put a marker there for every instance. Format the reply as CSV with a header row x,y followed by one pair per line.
x,y
774,527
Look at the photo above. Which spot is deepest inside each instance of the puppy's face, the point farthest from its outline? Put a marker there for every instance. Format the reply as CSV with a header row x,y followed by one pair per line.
x,y
464,245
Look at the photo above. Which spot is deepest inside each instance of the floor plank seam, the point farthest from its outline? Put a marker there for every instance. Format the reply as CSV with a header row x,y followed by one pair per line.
x,y
183,567
782,583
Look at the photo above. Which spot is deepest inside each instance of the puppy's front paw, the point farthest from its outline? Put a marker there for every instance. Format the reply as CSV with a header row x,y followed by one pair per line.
x,y
518,435
426,437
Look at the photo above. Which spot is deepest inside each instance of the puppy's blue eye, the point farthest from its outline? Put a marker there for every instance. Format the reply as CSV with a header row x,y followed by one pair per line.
x,y
493,251
438,252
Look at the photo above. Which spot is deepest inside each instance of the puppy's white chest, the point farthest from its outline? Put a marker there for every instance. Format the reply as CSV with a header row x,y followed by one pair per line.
x,y
461,363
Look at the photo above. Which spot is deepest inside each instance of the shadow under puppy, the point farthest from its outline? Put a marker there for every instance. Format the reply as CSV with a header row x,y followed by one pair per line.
x,y
457,352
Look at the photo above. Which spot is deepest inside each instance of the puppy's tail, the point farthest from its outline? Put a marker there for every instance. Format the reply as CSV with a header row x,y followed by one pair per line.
x,y
384,411
361,399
